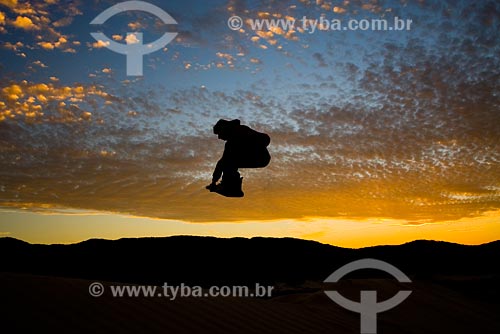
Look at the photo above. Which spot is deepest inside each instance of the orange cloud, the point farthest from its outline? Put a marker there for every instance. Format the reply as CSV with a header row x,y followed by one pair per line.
x,y
13,47
100,44
226,56
264,34
276,30
65,21
24,22
29,100
339,10
9,3
13,92
131,39
46,45
39,63
135,25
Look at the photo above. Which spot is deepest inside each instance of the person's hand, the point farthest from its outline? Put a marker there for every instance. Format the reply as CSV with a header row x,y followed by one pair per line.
x,y
211,186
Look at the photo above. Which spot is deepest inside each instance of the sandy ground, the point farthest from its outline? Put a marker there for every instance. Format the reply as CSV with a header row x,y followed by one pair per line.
x,y
39,304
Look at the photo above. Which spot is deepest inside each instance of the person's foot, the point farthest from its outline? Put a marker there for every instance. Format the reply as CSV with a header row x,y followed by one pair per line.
x,y
230,188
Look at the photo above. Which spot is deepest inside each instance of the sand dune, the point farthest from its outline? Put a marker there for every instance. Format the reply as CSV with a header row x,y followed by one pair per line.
x,y
62,305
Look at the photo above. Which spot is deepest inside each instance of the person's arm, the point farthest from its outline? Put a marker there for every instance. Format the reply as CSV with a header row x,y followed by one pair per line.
x,y
217,171
215,176
219,166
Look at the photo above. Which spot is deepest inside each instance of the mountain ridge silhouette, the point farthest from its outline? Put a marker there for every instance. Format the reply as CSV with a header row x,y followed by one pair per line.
x,y
213,261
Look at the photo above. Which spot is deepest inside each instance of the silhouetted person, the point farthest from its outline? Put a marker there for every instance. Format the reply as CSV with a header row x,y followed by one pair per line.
x,y
245,148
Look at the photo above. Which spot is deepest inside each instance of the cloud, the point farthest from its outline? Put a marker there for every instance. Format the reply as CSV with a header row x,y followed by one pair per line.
x,y
100,44
9,3
405,128
24,23
46,45
14,47
40,64
12,92
38,17
61,43
135,25
46,102
320,59
312,173
2,18
339,10
229,59
226,56
65,21
131,39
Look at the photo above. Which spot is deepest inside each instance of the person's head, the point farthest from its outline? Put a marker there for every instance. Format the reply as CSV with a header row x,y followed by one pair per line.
x,y
224,128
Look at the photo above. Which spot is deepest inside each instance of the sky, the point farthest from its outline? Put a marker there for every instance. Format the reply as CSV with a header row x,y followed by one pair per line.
x,y
377,137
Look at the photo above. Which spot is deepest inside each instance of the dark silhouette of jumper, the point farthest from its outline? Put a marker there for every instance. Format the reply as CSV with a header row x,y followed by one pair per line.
x,y
245,148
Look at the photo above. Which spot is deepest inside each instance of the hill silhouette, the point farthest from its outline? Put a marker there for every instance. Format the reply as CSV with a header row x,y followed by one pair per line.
x,y
209,260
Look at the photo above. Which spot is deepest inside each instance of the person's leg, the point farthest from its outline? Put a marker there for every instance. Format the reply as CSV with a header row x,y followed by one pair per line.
x,y
231,180
230,173
230,162
253,157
